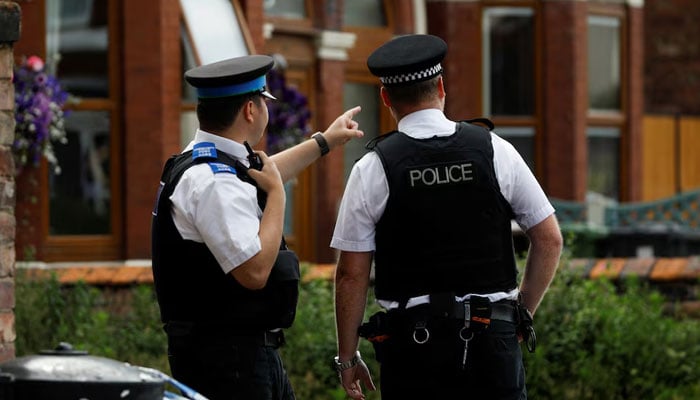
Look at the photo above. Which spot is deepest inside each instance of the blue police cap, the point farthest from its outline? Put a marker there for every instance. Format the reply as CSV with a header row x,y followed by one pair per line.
x,y
232,77
407,59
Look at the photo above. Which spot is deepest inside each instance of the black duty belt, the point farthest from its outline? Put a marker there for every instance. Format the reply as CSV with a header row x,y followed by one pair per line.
x,y
499,311
473,308
205,331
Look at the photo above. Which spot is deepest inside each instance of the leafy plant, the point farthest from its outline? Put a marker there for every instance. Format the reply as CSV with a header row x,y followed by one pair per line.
x,y
91,319
311,345
597,339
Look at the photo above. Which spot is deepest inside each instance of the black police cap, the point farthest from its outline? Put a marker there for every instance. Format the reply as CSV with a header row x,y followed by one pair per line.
x,y
232,77
408,59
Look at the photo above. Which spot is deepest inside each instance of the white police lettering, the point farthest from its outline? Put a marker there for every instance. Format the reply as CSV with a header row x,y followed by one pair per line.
x,y
441,174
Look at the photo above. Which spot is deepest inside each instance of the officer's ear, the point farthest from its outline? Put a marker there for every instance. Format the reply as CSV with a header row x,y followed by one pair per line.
x,y
249,110
441,87
385,97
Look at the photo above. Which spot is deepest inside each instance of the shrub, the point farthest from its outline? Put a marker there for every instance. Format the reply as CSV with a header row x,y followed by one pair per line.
x,y
597,340
311,346
85,316
602,341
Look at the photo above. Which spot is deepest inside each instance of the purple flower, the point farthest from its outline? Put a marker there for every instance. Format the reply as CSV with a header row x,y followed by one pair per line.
x,y
39,102
289,114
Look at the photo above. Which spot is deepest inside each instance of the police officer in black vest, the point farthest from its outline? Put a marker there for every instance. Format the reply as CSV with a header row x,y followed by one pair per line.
x,y
432,205
226,283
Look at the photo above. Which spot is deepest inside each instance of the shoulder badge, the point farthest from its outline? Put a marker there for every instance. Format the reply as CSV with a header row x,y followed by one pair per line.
x,y
217,167
204,150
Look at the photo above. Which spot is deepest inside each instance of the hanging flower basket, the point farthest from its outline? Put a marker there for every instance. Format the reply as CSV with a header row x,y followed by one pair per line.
x,y
39,115
289,114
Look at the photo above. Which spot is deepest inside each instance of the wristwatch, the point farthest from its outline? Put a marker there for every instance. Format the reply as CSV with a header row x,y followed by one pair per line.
x,y
340,367
322,143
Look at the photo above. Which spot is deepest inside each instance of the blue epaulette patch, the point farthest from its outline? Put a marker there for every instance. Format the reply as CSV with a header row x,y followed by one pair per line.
x,y
217,167
203,150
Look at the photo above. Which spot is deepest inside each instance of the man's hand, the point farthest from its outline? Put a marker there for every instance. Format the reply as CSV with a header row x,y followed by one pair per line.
x,y
351,378
343,129
269,178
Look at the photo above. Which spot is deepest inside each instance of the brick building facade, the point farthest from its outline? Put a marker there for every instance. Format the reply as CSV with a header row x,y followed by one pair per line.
x,y
9,34
142,103
672,61
144,109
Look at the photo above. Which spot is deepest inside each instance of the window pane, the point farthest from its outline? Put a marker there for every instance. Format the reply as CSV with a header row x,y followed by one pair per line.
x,y
188,127
368,96
80,198
77,41
522,138
189,93
509,61
364,13
604,161
293,9
604,63
216,34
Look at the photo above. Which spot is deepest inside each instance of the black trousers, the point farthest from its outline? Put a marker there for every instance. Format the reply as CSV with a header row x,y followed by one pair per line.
x,y
493,370
224,369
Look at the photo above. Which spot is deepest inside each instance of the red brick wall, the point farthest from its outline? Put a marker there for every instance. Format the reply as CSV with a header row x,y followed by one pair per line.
x,y
458,23
635,107
565,98
151,108
9,33
330,94
254,15
672,56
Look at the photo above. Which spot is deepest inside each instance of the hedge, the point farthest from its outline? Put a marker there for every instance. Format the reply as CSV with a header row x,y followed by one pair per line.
x,y
597,339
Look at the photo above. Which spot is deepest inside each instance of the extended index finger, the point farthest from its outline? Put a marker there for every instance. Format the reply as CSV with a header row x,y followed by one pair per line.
x,y
352,112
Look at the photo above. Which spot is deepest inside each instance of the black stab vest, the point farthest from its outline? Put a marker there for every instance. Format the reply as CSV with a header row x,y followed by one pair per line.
x,y
446,226
190,285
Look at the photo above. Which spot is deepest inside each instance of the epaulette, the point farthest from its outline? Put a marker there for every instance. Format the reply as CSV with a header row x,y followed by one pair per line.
x,y
484,121
373,142
204,151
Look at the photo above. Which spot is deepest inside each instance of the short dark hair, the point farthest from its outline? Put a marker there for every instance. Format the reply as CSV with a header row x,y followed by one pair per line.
x,y
217,114
413,93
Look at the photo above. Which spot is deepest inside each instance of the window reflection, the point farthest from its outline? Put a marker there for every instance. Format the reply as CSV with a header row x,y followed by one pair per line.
x,y
364,13
522,138
509,61
189,61
215,32
80,197
292,9
77,42
368,96
604,161
604,63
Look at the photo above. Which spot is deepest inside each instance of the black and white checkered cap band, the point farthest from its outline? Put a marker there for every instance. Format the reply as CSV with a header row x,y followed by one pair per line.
x,y
413,76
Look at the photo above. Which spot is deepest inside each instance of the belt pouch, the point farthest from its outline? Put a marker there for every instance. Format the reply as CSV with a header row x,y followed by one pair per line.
x,y
480,313
377,331
282,289
442,304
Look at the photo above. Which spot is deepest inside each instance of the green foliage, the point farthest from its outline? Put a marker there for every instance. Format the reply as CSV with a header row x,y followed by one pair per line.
x,y
597,340
311,345
85,316
602,341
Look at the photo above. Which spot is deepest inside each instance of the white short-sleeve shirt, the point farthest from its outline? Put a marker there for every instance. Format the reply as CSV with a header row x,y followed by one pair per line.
x,y
367,190
219,210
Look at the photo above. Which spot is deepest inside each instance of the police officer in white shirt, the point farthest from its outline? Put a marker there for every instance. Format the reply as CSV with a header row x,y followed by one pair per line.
x,y
226,283
432,206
